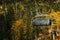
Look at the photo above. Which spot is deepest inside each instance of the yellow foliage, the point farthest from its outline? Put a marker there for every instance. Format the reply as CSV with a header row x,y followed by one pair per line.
x,y
55,16
17,25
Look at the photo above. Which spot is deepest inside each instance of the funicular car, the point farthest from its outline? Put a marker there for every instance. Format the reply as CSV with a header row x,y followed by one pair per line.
x,y
41,20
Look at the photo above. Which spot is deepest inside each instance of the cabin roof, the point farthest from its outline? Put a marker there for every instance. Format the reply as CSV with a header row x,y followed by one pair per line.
x,y
39,15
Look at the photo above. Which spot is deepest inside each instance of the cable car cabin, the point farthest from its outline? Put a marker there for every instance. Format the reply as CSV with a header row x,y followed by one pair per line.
x,y
41,20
